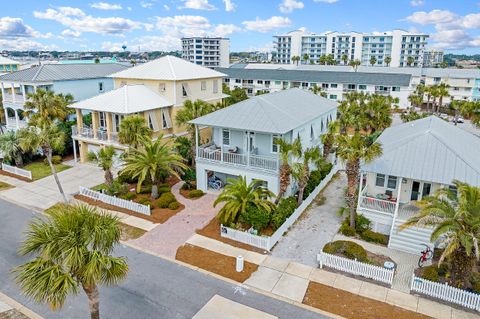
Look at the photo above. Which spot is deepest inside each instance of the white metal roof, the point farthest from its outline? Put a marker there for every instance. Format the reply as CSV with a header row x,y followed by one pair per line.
x,y
127,99
429,149
278,112
169,68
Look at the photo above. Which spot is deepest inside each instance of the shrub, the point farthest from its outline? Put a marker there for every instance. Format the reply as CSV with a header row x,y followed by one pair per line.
x,y
174,205
256,217
164,189
349,249
126,178
56,159
362,223
443,270
475,281
165,200
313,181
285,208
196,193
116,189
430,273
145,189
189,177
374,237
144,201
346,230
128,196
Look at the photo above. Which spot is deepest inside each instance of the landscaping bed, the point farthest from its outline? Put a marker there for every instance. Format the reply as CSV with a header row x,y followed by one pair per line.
x,y
363,231
354,251
353,306
191,193
5,186
4,173
214,262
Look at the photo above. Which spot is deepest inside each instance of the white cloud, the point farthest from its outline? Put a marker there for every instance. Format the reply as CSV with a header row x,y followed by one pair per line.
x,y
229,5
129,8
326,1
432,17
15,28
146,5
188,21
267,25
166,7
198,5
106,6
471,21
76,20
417,3
145,43
71,33
23,44
222,30
288,6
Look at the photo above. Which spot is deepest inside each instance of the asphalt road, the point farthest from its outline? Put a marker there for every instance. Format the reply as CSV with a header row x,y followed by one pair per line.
x,y
154,288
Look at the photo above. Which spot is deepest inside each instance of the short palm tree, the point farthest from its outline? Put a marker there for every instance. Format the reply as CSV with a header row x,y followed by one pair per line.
x,y
10,147
104,158
72,247
48,137
132,129
377,112
239,197
189,112
286,151
373,61
455,218
305,58
410,61
345,59
415,100
329,138
442,91
301,169
355,64
388,60
47,106
151,160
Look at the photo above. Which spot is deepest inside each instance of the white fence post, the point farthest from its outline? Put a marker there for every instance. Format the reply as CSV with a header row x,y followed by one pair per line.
x,y
17,171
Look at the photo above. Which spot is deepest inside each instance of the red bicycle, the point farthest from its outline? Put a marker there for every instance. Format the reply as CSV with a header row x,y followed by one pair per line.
x,y
427,254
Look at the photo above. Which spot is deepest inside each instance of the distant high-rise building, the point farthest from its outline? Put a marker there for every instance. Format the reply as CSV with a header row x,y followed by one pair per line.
x,y
209,52
432,58
397,48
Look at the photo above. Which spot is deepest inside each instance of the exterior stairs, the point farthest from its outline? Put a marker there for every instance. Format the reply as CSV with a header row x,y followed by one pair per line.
x,y
410,240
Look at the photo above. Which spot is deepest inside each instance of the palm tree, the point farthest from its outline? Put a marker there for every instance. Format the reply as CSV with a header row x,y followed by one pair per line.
x,y
329,138
72,247
10,147
189,112
46,106
410,61
322,60
428,90
295,59
354,149
305,58
415,100
318,90
132,129
151,160
388,60
455,217
355,64
377,112
471,110
442,91
49,138
373,60
301,170
434,92
239,197
286,151
104,158
345,59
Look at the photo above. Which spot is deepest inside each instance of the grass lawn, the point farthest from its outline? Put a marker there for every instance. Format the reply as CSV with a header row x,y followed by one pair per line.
x,y
40,170
4,186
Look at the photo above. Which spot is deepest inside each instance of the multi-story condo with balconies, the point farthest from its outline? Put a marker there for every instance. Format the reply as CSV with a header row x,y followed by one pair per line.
x,y
205,51
432,58
80,80
402,48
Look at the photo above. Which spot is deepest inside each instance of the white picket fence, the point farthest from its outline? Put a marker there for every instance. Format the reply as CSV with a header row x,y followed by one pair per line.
x,y
356,268
267,242
17,171
445,292
115,201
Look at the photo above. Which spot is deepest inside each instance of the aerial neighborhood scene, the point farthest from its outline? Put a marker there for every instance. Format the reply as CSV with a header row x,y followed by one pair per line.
x,y
234,159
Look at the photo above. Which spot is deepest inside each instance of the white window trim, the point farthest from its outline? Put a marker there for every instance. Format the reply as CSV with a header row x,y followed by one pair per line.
x,y
272,143
229,137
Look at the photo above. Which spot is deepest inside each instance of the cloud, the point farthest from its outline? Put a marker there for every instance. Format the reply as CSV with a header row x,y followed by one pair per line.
x,y
229,5
198,5
193,25
288,6
23,44
326,1
76,20
146,5
106,6
222,30
145,43
267,47
267,25
189,21
71,33
417,3
432,17
166,7
16,28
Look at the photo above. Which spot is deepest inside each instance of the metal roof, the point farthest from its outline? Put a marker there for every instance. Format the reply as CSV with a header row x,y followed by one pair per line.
x,y
169,68
429,149
278,112
127,99
63,72
344,77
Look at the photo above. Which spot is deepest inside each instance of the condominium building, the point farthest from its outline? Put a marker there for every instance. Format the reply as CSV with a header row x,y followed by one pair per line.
x,y
209,52
402,48
432,58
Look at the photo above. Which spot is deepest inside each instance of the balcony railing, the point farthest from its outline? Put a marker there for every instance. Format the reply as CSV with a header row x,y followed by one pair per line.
x,y
100,135
9,98
373,203
244,160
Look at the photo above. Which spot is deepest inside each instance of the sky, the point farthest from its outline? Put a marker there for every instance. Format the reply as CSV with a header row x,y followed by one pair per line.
x,y
147,25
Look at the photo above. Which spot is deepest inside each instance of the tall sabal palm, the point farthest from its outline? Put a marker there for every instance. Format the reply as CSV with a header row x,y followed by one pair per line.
x,y
455,218
388,60
345,59
49,138
46,106
301,169
415,100
442,91
286,150
132,129
104,158
305,58
329,138
354,149
428,91
151,160
239,197
373,61
72,248
378,112
435,93
190,111
10,147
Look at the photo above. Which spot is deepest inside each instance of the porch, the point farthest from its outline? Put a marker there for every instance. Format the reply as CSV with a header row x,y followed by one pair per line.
x,y
92,134
385,204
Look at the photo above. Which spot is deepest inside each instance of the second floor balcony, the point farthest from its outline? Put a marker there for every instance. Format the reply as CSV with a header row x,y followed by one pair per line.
x,y
100,135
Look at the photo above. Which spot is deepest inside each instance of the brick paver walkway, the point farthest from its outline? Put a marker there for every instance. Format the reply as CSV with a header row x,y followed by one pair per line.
x,y
167,237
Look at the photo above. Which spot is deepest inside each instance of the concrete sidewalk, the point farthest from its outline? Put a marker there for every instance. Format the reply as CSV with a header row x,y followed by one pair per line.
x,y
10,308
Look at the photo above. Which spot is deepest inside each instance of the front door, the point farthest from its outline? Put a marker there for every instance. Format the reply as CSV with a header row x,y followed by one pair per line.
x,y
249,141
415,190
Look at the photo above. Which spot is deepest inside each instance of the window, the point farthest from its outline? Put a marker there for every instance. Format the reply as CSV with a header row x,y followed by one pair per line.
x,y
333,85
184,90
275,138
102,119
226,137
161,87
259,81
100,87
333,97
238,81
312,133
278,82
203,85
215,86
392,182
166,120
380,180
395,88
267,82
227,80
427,187
362,87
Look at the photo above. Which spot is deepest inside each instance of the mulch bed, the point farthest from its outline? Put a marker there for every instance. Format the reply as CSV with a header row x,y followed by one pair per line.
x,y
353,306
157,215
212,230
214,262
2,172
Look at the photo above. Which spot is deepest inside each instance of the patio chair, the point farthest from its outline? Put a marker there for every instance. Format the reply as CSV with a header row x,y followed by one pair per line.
x,y
233,150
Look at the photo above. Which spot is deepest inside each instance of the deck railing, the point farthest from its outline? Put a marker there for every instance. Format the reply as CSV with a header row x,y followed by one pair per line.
x,y
379,205
89,133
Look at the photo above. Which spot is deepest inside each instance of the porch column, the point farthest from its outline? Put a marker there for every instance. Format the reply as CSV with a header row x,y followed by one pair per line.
x,y
13,93
3,90
397,205
74,150
79,120
6,115
95,122
196,140
109,125
17,119
23,93
34,89
360,190
248,148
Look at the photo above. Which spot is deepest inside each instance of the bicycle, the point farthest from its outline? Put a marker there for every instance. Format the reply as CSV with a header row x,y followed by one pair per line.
x,y
215,183
427,254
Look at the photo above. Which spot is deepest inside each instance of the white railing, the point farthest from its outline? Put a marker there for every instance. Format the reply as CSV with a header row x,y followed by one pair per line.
x,y
101,135
378,205
115,201
266,242
445,292
9,98
17,171
356,267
